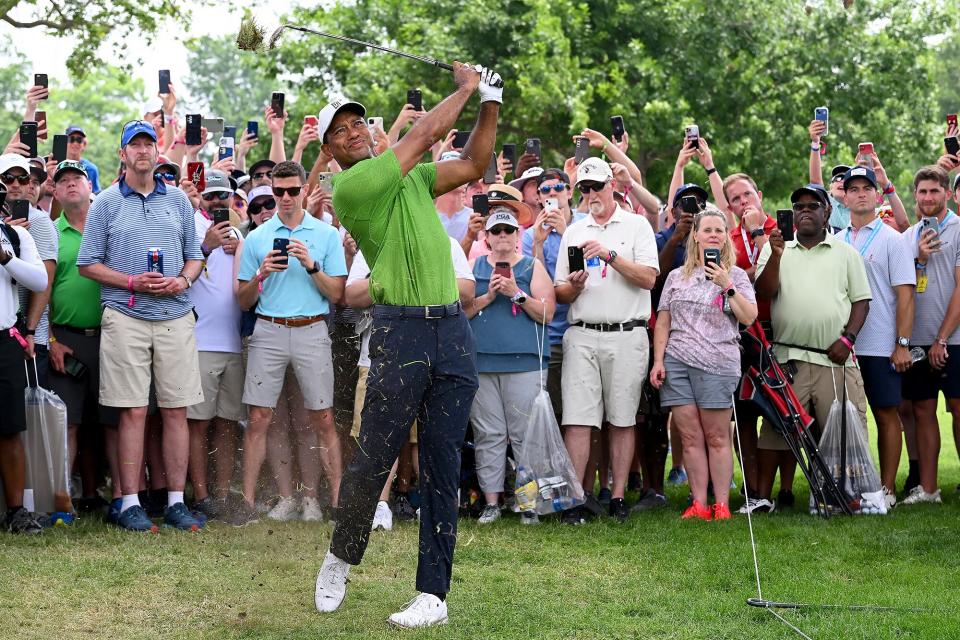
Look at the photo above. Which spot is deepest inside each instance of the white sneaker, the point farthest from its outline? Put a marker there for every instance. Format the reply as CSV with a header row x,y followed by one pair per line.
x,y
383,517
310,510
890,497
491,513
919,496
332,584
284,510
758,505
426,610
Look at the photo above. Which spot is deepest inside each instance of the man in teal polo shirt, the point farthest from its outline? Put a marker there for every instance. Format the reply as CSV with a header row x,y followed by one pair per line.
x,y
423,365
291,291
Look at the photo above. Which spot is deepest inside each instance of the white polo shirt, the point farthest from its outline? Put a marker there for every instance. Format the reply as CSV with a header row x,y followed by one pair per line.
x,y
613,299
27,270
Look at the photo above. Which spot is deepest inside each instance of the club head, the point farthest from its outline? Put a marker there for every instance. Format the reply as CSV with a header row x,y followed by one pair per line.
x,y
250,36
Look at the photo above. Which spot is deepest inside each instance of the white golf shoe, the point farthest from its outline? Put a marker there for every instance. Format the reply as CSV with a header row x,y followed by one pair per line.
x,y
426,610
383,517
331,583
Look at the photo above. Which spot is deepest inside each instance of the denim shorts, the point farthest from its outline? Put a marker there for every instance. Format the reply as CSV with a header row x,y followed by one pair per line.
x,y
689,385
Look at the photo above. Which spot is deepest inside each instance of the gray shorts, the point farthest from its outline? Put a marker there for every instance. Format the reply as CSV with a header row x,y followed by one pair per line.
x,y
221,376
272,347
689,385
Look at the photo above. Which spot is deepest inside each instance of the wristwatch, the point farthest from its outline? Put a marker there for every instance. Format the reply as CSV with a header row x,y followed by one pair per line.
x,y
849,335
519,298
756,233
314,269
903,342
186,279
730,292
611,256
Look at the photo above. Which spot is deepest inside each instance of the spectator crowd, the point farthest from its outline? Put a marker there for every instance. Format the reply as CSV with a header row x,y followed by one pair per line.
x,y
206,319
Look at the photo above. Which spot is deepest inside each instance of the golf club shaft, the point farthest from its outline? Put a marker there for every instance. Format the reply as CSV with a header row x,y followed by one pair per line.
x,y
428,60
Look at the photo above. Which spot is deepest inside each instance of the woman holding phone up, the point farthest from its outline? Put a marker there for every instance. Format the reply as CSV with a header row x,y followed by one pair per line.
x,y
514,295
696,361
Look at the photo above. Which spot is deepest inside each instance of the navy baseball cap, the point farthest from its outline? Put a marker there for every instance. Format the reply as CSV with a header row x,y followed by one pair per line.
x,y
838,171
75,129
860,172
816,190
690,188
135,128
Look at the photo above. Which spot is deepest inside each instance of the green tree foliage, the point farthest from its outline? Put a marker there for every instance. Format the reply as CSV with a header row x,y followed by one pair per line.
x,y
748,72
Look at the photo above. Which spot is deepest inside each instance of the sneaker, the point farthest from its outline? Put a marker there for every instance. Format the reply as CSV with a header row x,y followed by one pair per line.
x,y
912,481
402,508
310,510
382,517
890,498
331,584
426,610
919,496
529,517
604,497
491,513
575,516
59,519
677,476
618,510
634,481
697,510
785,499
113,513
721,511
212,508
23,521
284,511
179,517
649,500
757,505
242,514
135,519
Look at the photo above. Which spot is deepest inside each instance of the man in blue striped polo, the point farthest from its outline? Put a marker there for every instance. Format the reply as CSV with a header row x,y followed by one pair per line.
x,y
140,244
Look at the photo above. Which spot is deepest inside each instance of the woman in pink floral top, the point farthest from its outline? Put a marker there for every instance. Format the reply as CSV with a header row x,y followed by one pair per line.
x,y
696,358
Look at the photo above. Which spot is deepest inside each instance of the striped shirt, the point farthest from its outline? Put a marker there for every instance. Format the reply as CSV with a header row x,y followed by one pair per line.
x,y
122,225
930,306
45,236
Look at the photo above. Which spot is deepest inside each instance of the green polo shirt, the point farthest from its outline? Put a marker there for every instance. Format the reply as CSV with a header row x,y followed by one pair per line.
x,y
74,300
394,221
817,288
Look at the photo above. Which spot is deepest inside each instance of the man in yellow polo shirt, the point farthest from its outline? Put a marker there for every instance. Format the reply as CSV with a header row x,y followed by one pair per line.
x,y
422,365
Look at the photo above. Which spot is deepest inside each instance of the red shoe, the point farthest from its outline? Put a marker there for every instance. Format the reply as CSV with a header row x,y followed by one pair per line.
x,y
721,511
697,510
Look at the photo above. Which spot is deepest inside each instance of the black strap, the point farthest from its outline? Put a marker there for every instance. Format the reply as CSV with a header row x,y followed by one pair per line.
x,y
802,348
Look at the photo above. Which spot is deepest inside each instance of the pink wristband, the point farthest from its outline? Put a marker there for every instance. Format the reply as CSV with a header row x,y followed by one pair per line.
x,y
130,288
849,344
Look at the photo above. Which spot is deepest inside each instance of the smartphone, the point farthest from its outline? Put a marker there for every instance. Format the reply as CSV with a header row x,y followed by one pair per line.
x,y
952,145
164,77
931,223
490,175
785,223
220,214
325,180
823,115
40,80
616,128
692,132
510,154
951,119
213,125
28,136
711,255
253,127
311,120
532,145
276,103
551,203
502,269
280,244
194,135
230,131
74,367
375,122
481,204
20,209
415,99
575,259
866,150
59,147
690,204
196,175
582,149
41,116
460,139
226,148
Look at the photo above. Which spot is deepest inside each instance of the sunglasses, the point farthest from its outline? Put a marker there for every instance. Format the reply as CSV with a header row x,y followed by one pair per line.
x,y
546,188
217,195
587,187
76,139
807,206
293,192
165,175
256,207
9,178
496,231
262,174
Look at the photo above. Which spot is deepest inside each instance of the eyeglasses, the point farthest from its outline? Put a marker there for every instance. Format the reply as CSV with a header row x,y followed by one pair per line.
x,y
76,139
262,174
165,175
217,195
496,231
546,188
587,187
9,178
256,207
292,191
807,206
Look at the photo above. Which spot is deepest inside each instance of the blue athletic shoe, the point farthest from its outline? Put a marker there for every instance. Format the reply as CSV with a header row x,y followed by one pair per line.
x,y
179,517
113,512
135,519
678,476
59,518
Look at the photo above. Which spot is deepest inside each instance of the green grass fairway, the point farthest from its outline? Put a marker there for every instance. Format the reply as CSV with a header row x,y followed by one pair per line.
x,y
655,577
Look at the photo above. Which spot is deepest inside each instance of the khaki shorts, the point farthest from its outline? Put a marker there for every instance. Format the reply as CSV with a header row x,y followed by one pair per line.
x,y
221,378
272,348
815,388
358,399
603,373
130,349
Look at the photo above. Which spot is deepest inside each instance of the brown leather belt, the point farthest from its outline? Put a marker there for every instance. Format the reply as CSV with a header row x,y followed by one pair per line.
x,y
298,321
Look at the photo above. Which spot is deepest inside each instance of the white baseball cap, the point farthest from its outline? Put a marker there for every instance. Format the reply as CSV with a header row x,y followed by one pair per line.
x,y
11,160
503,216
594,170
329,112
529,174
259,192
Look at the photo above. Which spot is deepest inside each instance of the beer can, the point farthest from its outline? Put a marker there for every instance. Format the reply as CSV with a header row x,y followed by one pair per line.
x,y
155,259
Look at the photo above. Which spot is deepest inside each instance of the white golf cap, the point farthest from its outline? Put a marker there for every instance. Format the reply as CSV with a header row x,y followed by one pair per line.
x,y
594,170
329,112
529,174
259,192
11,160
153,105
501,215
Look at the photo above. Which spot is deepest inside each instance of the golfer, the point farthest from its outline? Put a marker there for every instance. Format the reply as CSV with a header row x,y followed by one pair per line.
x,y
421,349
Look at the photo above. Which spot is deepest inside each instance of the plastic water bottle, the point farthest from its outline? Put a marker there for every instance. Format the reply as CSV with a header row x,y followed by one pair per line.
x,y
594,271
561,502
525,493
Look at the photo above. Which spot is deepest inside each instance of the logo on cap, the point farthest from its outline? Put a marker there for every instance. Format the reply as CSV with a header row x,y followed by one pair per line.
x,y
859,171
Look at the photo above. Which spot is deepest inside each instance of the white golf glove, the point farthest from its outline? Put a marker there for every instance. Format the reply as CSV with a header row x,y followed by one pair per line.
x,y
491,85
